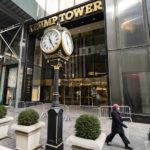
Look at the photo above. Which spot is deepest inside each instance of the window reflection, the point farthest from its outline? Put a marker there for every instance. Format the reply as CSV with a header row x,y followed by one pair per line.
x,y
136,91
85,75
89,56
123,5
148,9
131,22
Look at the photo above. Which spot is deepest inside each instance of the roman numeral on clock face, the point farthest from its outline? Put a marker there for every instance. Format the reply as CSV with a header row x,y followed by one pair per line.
x,y
50,41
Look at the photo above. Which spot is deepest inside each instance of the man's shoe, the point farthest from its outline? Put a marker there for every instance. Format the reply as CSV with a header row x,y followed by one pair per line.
x,y
108,143
128,147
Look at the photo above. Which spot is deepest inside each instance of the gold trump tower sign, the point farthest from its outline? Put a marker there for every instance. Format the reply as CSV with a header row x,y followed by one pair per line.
x,y
67,16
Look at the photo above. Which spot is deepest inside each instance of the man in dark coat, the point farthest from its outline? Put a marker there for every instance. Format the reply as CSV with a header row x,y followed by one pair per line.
x,y
117,127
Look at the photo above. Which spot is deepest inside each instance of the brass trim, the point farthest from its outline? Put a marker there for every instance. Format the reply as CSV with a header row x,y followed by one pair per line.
x,y
55,93
66,48
56,67
55,146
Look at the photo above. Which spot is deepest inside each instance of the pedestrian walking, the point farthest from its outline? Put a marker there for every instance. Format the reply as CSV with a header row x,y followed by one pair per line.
x,y
117,127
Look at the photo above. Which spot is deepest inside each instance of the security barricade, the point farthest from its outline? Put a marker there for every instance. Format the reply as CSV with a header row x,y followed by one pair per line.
x,y
105,112
76,110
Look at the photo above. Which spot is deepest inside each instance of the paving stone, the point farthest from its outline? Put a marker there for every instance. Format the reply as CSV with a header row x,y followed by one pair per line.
x,y
136,132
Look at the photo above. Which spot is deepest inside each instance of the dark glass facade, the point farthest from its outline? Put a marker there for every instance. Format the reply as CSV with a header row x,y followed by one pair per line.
x,y
128,53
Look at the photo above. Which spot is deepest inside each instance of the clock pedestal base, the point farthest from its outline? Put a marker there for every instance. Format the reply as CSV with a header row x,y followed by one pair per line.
x,y
54,134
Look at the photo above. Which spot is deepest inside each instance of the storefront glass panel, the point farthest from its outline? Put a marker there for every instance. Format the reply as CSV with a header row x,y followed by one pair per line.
x,y
85,74
37,72
11,85
148,10
136,87
131,23
111,24
114,76
135,59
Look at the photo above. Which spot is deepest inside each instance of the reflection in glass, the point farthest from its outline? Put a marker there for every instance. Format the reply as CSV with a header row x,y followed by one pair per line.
x,y
148,9
89,56
86,70
111,26
131,23
136,91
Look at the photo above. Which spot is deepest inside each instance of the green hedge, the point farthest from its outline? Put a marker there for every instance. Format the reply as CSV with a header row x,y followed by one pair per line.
x,y
3,111
88,127
28,117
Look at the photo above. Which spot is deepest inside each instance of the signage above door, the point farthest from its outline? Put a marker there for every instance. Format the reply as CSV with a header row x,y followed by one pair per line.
x,y
68,15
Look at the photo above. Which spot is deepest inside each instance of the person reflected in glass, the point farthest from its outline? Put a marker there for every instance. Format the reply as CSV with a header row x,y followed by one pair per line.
x,y
117,127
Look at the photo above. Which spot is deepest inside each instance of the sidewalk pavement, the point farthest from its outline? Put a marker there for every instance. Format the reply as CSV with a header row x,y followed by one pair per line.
x,y
136,132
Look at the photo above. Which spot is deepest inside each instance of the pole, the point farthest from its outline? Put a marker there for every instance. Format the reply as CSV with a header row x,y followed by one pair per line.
x,y
55,119
55,101
18,90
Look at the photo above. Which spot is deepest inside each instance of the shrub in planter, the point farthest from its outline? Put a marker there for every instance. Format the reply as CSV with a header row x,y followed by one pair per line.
x,y
88,127
28,130
3,111
28,117
4,122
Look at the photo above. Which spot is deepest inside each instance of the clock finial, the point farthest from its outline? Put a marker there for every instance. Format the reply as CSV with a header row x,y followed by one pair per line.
x,y
59,27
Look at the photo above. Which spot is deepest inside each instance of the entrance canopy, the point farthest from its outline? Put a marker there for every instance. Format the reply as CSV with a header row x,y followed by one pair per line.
x,y
12,18
11,14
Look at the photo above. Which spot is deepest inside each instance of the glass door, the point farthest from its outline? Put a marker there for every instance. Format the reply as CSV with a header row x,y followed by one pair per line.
x,y
84,91
85,74
11,85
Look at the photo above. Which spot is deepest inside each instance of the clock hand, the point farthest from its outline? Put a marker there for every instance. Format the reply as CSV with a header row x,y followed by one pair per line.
x,y
67,41
51,41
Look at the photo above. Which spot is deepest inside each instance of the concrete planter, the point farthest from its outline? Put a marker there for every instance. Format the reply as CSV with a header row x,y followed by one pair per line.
x,y
4,124
4,148
147,145
28,137
82,143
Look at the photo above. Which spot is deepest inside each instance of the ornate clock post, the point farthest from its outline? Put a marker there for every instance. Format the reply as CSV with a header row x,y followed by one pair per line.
x,y
57,46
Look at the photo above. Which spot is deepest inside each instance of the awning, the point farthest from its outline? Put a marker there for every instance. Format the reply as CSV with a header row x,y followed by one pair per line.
x,y
11,14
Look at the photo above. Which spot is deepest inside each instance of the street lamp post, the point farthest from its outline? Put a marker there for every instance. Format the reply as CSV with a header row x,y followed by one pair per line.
x,y
55,115
57,46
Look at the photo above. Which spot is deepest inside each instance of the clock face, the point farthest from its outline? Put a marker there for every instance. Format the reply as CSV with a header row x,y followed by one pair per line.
x,y
67,43
50,41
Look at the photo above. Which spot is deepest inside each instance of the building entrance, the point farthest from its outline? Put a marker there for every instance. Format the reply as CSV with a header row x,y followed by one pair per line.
x,y
10,84
83,79
87,91
85,74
